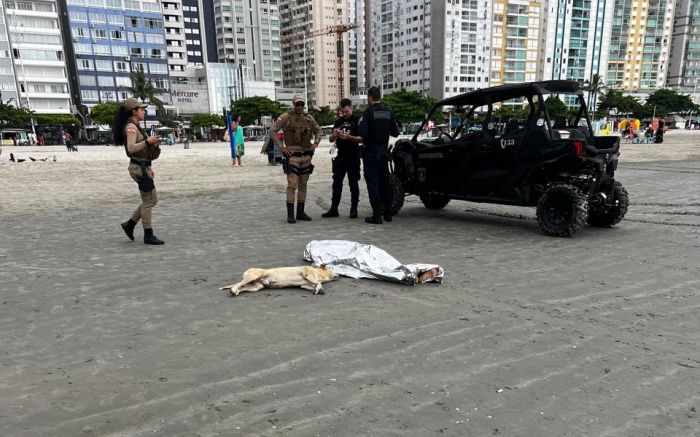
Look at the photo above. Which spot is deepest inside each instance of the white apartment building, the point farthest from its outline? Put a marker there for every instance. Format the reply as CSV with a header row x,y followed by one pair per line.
x,y
35,44
437,48
400,45
357,39
174,26
8,80
311,62
248,35
461,47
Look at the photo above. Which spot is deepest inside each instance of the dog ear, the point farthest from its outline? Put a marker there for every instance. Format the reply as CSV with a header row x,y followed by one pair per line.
x,y
323,267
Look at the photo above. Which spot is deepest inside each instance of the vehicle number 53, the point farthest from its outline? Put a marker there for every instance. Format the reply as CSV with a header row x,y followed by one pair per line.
x,y
507,142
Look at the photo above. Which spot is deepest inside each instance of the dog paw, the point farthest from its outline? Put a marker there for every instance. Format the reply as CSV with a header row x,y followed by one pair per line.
x,y
319,292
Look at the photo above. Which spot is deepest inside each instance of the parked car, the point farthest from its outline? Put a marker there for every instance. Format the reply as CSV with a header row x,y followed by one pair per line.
x,y
550,162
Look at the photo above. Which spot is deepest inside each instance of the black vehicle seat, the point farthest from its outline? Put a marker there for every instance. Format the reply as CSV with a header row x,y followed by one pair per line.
x,y
512,126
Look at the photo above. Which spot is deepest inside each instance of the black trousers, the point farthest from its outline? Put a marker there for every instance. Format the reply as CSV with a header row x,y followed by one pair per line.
x,y
376,169
342,165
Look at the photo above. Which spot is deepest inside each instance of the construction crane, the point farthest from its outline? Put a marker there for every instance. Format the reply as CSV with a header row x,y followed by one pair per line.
x,y
339,30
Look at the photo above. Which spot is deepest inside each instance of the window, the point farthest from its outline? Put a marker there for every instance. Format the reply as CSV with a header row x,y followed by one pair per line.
x,y
87,80
89,95
85,64
102,65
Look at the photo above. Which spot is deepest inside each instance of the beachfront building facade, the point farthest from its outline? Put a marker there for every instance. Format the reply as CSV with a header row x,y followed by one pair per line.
x,y
309,58
577,39
248,36
684,58
515,41
34,45
108,40
640,44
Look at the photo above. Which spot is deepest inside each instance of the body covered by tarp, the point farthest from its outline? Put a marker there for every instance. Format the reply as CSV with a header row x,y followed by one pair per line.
x,y
357,260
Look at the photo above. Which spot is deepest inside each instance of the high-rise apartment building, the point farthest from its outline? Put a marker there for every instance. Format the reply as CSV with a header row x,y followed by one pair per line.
x,y
311,62
577,39
34,42
461,46
108,40
401,45
8,80
356,49
639,44
248,36
684,58
516,39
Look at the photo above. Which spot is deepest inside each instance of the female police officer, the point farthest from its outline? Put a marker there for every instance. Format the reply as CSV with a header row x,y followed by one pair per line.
x,y
142,149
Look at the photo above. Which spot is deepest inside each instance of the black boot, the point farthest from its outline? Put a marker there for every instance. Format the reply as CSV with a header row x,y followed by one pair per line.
x,y
374,220
290,213
332,212
128,227
353,210
387,216
301,215
149,238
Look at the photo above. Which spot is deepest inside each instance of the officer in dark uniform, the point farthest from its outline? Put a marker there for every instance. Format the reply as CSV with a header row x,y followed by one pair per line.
x,y
299,128
375,127
347,141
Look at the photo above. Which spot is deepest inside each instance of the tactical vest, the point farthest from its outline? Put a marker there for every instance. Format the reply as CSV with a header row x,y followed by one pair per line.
x,y
298,132
148,153
380,121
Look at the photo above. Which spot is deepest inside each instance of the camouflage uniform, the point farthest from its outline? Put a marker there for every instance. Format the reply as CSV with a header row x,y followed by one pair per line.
x,y
299,128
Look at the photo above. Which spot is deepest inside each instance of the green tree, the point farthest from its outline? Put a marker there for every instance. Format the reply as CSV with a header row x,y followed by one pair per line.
x,y
324,116
142,88
206,121
614,101
507,112
56,120
252,108
410,106
667,101
594,86
103,113
167,120
555,107
11,116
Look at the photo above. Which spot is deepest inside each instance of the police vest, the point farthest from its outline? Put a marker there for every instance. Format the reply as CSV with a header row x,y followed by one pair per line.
x,y
379,121
298,131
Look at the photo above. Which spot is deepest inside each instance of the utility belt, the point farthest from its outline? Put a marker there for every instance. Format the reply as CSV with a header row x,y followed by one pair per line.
x,y
300,154
288,168
141,162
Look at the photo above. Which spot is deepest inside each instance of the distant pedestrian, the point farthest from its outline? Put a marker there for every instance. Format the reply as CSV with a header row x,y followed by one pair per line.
x,y
239,140
375,127
41,140
347,141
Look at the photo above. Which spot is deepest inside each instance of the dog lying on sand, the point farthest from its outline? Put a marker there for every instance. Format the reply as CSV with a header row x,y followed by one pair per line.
x,y
307,277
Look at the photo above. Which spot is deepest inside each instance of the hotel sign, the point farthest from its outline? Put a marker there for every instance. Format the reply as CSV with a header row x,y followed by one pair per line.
x,y
189,98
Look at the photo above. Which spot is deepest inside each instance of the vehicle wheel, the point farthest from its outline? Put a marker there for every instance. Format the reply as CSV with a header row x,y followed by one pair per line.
x,y
397,192
562,210
610,216
434,201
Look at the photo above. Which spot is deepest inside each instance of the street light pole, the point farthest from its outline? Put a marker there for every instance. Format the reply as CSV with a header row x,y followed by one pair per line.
x,y
306,91
695,90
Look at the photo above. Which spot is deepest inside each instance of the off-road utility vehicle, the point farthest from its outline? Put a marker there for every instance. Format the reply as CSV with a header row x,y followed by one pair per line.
x,y
536,158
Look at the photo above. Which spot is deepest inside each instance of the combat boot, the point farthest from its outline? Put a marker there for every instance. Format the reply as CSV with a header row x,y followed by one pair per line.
x,y
374,220
128,227
387,217
290,213
353,211
301,215
332,212
149,238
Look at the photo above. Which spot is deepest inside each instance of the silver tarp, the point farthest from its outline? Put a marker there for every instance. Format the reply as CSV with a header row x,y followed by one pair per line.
x,y
357,260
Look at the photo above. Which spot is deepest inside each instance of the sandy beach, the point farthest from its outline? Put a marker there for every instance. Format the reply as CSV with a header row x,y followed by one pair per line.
x,y
97,174
528,335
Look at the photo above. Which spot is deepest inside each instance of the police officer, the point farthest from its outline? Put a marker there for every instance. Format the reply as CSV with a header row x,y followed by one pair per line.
x,y
142,149
299,129
347,141
375,126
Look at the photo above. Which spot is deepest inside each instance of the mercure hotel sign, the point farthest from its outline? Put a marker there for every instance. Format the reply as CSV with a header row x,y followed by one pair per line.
x,y
190,99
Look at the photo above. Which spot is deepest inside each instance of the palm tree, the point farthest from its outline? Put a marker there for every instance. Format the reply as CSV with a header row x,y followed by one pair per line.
x,y
142,88
594,86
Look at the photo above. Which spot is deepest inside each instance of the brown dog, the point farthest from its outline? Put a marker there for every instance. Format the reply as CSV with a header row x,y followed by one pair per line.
x,y
307,277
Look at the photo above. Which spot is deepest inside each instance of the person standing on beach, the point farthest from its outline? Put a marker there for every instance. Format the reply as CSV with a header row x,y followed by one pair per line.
x,y
239,140
375,127
142,150
347,141
299,128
